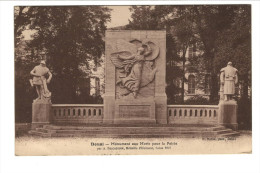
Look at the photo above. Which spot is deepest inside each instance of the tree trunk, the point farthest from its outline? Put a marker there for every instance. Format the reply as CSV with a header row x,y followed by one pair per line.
x,y
214,87
245,87
183,77
214,79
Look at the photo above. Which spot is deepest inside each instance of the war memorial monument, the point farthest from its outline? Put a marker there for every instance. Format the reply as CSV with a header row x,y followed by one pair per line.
x,y
135,102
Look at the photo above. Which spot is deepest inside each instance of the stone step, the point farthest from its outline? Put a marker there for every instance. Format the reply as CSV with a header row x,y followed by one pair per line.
x,y
132,135
224,131
80,126
126,132
102,135
131,132
135,128
230,134
216,128
37,133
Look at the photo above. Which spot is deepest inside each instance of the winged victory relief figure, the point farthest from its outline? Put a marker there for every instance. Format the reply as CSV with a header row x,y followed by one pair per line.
x,y
135,62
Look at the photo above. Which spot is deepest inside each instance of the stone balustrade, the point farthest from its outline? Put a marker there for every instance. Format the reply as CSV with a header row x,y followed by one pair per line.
x,y
93,113
192,114
77,113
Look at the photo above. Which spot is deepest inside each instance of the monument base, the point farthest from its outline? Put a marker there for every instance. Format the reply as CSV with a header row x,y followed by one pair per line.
x,y
109,108
135,111
35,125
161,108
228,114
41,111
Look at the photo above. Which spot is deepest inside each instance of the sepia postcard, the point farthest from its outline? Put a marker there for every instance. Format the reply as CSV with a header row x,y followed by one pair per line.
x,y
133,80
129,86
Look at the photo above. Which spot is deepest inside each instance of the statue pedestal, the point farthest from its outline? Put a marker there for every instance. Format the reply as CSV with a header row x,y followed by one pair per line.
x,y
228,114
41,111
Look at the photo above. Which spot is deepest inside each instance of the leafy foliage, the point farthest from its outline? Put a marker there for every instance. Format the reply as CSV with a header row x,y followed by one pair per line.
x,y
198,100
221,33
68,38
235,45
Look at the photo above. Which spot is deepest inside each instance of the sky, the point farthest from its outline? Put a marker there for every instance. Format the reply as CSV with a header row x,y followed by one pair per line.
x,y
119,16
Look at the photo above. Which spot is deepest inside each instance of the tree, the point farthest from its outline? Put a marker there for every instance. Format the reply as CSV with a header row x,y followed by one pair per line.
x,y
234,45
182,30
71,37
21,20
207,25
145,17
211,21
177,20
68,38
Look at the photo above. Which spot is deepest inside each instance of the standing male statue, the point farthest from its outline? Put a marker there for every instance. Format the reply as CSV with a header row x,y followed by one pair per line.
x,y
39,80
228,79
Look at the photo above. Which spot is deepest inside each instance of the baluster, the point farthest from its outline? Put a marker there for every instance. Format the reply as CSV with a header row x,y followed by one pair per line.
x,y
99,112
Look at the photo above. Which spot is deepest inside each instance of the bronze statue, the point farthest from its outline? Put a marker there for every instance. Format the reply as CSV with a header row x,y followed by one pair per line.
x,y
40,82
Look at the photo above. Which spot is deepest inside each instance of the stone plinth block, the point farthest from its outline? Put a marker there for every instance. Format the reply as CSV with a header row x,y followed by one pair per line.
x,y
133,111
161,109
109,109
41,111
228,114
135,77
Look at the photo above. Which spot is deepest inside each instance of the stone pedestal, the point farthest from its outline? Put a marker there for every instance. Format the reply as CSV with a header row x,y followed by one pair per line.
x,y
41,111
228,114
150,105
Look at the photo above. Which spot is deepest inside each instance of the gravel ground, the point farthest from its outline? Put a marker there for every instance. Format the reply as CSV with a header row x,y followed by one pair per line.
x,y
31,145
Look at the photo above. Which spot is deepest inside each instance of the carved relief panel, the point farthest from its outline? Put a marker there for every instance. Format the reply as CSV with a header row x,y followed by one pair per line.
x,y
134,61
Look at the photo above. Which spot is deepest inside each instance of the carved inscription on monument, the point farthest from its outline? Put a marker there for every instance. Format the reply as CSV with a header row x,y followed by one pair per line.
x,y
134,111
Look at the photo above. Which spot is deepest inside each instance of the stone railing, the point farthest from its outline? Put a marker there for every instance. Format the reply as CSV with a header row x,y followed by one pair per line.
x,y
192,114
77,113
93,113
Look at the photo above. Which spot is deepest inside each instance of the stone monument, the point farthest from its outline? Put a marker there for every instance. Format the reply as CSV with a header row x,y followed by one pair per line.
x,y
135,77
227,105
41,106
